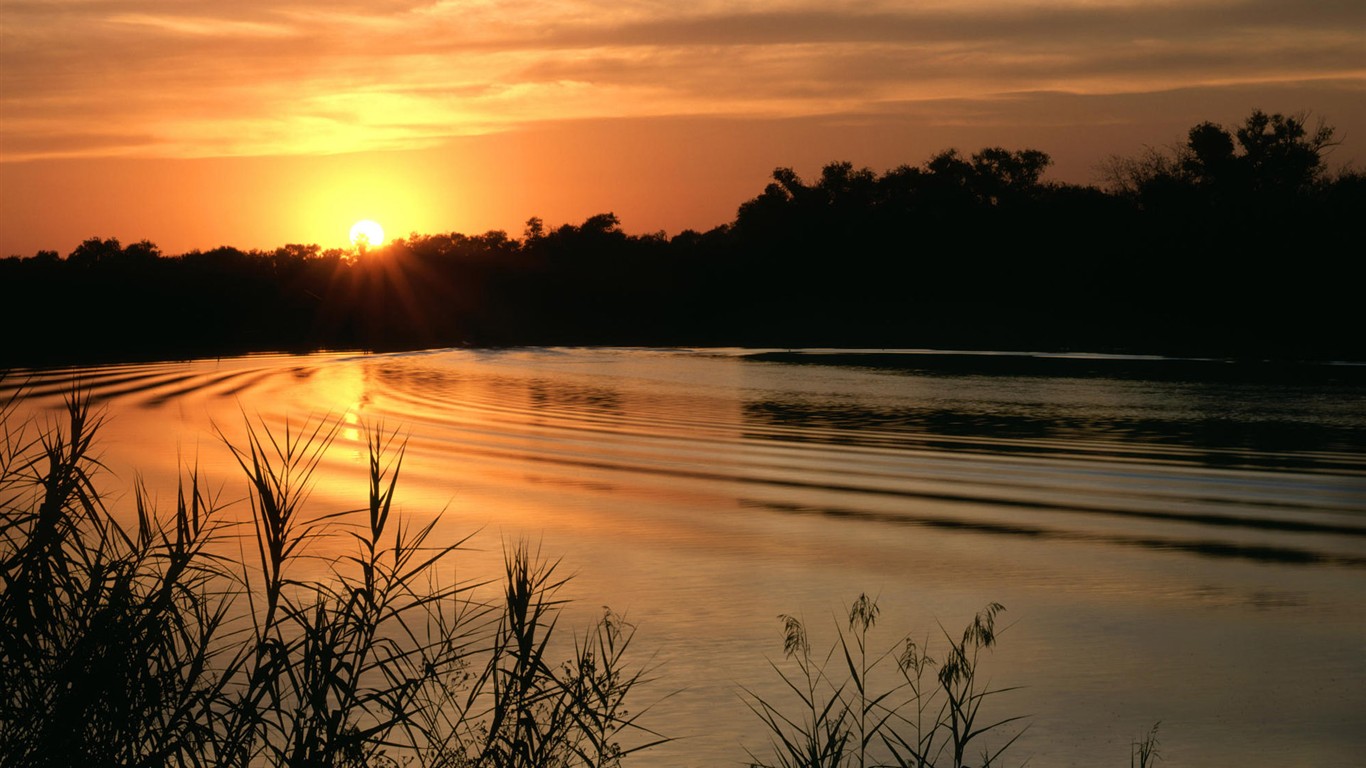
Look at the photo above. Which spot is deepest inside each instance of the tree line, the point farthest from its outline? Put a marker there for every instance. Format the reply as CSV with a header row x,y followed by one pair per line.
x,y
1238,242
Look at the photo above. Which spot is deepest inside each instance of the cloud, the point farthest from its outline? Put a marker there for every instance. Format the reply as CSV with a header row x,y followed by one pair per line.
x,y
261,77
204,26
1017,25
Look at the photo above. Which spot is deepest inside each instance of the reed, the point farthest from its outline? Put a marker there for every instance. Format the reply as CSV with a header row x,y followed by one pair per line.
x,y
1143,750
817,735
140,644
856,706
108,634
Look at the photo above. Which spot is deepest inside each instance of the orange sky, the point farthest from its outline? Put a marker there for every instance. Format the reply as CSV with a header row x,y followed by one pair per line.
x,y
258,122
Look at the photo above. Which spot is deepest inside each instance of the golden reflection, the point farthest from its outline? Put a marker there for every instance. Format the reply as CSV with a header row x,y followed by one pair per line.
x,y
351,433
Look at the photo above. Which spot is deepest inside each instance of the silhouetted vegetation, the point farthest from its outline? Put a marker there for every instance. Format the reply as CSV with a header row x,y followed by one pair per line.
x,y
860,707
1236,242
188,639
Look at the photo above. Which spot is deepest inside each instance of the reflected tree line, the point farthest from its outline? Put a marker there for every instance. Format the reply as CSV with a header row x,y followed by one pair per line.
x,y
1236,242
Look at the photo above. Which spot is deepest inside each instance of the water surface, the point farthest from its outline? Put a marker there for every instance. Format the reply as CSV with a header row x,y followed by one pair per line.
x,y
1182,541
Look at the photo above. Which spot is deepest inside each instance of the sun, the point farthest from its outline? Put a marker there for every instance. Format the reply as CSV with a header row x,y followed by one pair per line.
x,y
367,234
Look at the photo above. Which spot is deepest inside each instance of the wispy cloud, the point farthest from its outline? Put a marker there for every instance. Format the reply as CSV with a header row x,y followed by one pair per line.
x,y
203,26
167,78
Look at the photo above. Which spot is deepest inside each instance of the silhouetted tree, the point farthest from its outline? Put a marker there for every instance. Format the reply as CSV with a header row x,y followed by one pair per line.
x,y
1281,153
142,252
1210,157
1273,154
95,251
1000,175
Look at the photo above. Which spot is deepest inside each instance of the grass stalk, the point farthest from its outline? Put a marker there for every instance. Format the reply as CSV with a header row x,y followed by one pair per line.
x,y
1143,750
927,715
137,644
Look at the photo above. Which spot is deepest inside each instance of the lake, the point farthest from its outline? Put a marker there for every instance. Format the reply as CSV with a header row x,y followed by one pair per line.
x,y
1180,541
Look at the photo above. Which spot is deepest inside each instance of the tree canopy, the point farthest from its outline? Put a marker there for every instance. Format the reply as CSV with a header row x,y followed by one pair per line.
x,y
1228,243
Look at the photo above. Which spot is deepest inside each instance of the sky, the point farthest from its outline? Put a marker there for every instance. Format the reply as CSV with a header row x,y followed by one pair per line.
x,y
258,122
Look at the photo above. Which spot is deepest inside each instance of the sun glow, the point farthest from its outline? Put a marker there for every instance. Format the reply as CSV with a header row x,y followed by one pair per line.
x,y
367,234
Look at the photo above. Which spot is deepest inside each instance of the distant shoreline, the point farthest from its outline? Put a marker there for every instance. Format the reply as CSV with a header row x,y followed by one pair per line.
x,y
923,361
1227,248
